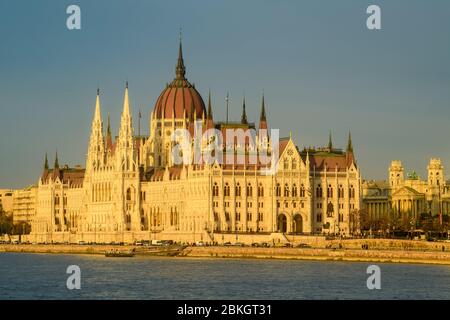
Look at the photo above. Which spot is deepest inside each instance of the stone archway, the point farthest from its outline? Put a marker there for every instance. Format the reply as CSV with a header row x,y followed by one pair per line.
x,y
282,223
298,223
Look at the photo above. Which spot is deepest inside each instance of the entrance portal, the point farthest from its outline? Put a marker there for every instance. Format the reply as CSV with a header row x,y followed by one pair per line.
x,y
282,223
298,223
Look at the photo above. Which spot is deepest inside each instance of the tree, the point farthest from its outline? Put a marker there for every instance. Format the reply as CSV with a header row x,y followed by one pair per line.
x,y
6,222
358,219
21,228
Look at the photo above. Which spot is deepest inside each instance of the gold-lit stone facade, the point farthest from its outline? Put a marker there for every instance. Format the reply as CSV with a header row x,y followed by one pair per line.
x,y
408,197
131,188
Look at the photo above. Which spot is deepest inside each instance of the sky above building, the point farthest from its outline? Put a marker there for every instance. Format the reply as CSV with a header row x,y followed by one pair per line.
x,y
321,69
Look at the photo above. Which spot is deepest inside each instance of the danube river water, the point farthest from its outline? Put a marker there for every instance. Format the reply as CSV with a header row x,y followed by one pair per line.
x,y
43,276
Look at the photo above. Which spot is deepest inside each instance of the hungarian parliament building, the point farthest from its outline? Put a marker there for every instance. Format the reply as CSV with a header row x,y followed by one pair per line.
x,y
133,187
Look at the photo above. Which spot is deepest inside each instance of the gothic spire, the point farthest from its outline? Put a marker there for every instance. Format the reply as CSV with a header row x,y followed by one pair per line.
x,y
330,142
180,70
46,162
263,110
108,127
97,114
126,102
244,114
349,144
350,156
56,166
262,117
108,134
209,114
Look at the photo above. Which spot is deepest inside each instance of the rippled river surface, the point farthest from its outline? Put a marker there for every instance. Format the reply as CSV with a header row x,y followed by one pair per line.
x,y
43,276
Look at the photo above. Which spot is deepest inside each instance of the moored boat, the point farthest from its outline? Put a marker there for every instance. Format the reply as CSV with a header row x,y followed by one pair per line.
x,y
120,254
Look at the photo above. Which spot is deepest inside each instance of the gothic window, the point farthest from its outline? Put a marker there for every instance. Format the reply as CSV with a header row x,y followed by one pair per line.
x,y
129,194
319,191
278,190
249,190
215,190
294,190
302,191
351,192
286,190
340,191
260,216
286,164
260,190
238,190
226,190
330,191
294,164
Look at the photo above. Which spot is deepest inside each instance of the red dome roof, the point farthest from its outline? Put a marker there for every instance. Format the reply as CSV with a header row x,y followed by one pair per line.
x,y
179,96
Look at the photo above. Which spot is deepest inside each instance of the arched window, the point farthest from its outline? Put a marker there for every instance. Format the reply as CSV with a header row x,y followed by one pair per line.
x,y
278,190
249,190
286,164
226,190
215,190
286,190
302,191
351,191
294,190
129,194
260,190
319,191
294,164
238,190
330,191
340,191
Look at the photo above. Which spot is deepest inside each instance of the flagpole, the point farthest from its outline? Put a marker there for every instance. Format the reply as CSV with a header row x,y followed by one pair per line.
x,y
226,99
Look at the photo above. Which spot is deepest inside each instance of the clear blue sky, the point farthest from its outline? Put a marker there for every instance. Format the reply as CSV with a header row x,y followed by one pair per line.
x,y
319,66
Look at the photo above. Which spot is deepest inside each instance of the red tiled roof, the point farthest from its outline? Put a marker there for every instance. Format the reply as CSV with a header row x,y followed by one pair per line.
x,y
72,176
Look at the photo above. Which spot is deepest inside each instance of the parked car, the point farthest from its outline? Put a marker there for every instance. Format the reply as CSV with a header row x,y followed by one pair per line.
x,y
283,245
81,242
239,244
303,245
256,244
138,243
227,244
200,243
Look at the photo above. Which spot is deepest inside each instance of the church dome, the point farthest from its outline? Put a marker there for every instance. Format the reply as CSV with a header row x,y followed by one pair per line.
x,y
179,96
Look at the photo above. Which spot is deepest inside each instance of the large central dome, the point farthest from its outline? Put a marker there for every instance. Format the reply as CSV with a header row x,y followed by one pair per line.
x,y
179,98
